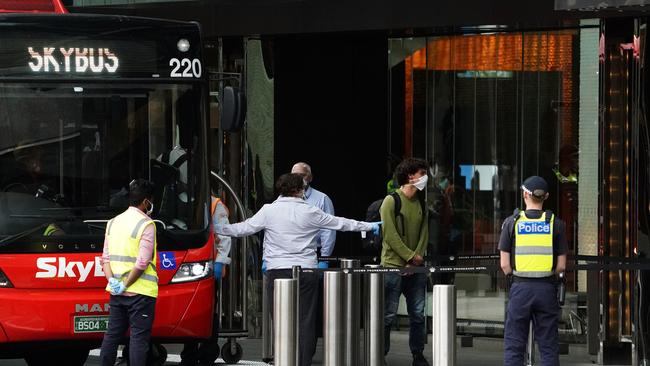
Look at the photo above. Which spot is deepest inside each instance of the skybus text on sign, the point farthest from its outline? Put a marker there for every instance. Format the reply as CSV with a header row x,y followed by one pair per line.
x,y
96,60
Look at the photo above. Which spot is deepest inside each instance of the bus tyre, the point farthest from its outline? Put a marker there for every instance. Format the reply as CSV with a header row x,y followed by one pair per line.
x,y
228,355
74,357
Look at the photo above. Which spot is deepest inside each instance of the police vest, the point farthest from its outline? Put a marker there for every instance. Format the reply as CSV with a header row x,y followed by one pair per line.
x,y
123,234
533,246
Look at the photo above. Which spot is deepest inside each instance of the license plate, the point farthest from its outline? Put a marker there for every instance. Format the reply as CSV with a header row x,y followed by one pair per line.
x,y
90,324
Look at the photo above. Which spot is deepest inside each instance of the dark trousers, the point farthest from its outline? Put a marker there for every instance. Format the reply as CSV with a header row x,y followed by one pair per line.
x,y
414,288
307,313
134,312
534,300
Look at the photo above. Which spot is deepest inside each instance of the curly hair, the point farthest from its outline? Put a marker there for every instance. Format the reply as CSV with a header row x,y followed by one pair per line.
x,y
407,167
288,185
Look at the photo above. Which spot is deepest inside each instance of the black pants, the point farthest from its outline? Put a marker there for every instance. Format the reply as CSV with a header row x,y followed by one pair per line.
x,y
135,312
307,313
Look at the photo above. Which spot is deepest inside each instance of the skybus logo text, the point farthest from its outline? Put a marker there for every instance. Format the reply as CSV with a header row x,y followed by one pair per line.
x,y
77,60
51,267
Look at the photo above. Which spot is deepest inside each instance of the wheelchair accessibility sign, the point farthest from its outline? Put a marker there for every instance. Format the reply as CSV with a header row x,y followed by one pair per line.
x,y
167,260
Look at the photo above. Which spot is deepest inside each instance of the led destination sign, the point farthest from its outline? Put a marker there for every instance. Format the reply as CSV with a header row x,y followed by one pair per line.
x,y
84,47
73,60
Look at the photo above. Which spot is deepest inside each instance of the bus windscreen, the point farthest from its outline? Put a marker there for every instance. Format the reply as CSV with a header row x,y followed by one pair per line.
x,y
69,151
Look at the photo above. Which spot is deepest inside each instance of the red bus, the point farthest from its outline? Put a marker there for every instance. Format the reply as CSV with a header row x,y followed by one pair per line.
x,y
87,104
32,6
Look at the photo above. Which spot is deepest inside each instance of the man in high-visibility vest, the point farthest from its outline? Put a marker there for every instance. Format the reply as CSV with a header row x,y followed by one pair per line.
x,y
206,352
533,248
129,262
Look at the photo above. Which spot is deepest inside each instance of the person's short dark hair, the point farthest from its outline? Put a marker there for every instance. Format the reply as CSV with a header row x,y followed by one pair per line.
x,y
139,190
408,167
288,185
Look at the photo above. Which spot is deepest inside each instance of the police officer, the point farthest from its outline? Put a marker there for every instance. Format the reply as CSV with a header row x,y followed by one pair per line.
x,y
129,263
533,250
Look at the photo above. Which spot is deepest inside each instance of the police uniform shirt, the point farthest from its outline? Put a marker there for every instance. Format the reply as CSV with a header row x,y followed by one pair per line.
x,y
507,239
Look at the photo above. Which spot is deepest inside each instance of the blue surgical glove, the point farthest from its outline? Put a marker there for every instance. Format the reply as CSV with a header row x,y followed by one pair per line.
x,y
218,270
263,266
113,283
117,288
121,288
376,229
323,265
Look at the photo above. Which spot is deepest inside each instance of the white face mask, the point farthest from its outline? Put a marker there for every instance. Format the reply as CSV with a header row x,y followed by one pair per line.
x,y
421,183
150,209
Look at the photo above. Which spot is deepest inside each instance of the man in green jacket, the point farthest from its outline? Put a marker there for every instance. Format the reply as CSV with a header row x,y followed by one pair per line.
x,y
405,234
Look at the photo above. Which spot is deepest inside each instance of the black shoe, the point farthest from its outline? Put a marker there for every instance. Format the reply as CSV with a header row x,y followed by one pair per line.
x,y
419,360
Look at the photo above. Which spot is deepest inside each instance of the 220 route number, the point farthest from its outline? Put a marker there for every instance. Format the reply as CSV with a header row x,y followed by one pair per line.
x,y
185,68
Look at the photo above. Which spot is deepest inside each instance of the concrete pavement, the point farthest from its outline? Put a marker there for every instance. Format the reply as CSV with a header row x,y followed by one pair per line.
x,y
485,352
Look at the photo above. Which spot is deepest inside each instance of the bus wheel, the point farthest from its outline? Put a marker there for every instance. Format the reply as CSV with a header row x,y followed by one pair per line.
x,y
75,357
227,352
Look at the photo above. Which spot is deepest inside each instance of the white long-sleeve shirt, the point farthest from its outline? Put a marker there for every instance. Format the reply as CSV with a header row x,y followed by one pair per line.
x,y
222,243
291,226
326,238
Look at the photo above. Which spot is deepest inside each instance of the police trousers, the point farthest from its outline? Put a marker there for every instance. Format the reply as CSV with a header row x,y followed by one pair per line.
x,y
536,301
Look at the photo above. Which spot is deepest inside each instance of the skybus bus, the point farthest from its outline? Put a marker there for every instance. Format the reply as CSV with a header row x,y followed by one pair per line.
x,y
87,104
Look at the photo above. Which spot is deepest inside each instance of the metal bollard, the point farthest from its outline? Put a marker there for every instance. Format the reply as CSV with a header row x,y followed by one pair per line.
x,y
444,325
285,321
374,318
267,325
333,330
351,307
530,346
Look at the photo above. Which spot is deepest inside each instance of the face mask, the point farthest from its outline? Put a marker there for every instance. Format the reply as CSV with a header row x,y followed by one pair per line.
x,y
150,210
421,183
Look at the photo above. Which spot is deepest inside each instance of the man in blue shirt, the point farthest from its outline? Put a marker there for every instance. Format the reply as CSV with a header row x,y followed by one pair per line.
x,y
326,238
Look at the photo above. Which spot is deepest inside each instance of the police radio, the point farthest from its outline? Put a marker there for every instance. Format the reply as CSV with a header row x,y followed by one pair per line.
x,y
561,289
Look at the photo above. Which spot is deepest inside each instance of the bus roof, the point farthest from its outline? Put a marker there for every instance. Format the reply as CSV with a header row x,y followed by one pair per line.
x,y
32,6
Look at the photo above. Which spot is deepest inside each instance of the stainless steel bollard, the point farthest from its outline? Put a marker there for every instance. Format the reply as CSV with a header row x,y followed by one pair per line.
x,y
444,325
333,330
530,346
351,309
267,325
374,318
285,321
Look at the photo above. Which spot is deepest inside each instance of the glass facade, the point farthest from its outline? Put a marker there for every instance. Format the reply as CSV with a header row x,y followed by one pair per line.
x,y
487,110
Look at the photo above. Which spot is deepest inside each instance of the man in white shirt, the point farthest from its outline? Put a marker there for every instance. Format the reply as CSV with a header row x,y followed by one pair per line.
x,y
291,226
314,197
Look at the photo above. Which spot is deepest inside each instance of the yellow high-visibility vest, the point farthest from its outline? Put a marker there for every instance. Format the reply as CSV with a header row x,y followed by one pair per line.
x,y
123,234
533,246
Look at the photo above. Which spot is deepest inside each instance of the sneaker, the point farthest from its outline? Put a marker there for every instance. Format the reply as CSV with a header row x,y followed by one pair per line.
x,y
419,360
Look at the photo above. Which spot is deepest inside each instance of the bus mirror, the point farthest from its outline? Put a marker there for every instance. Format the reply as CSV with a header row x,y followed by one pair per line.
x,y
233,109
